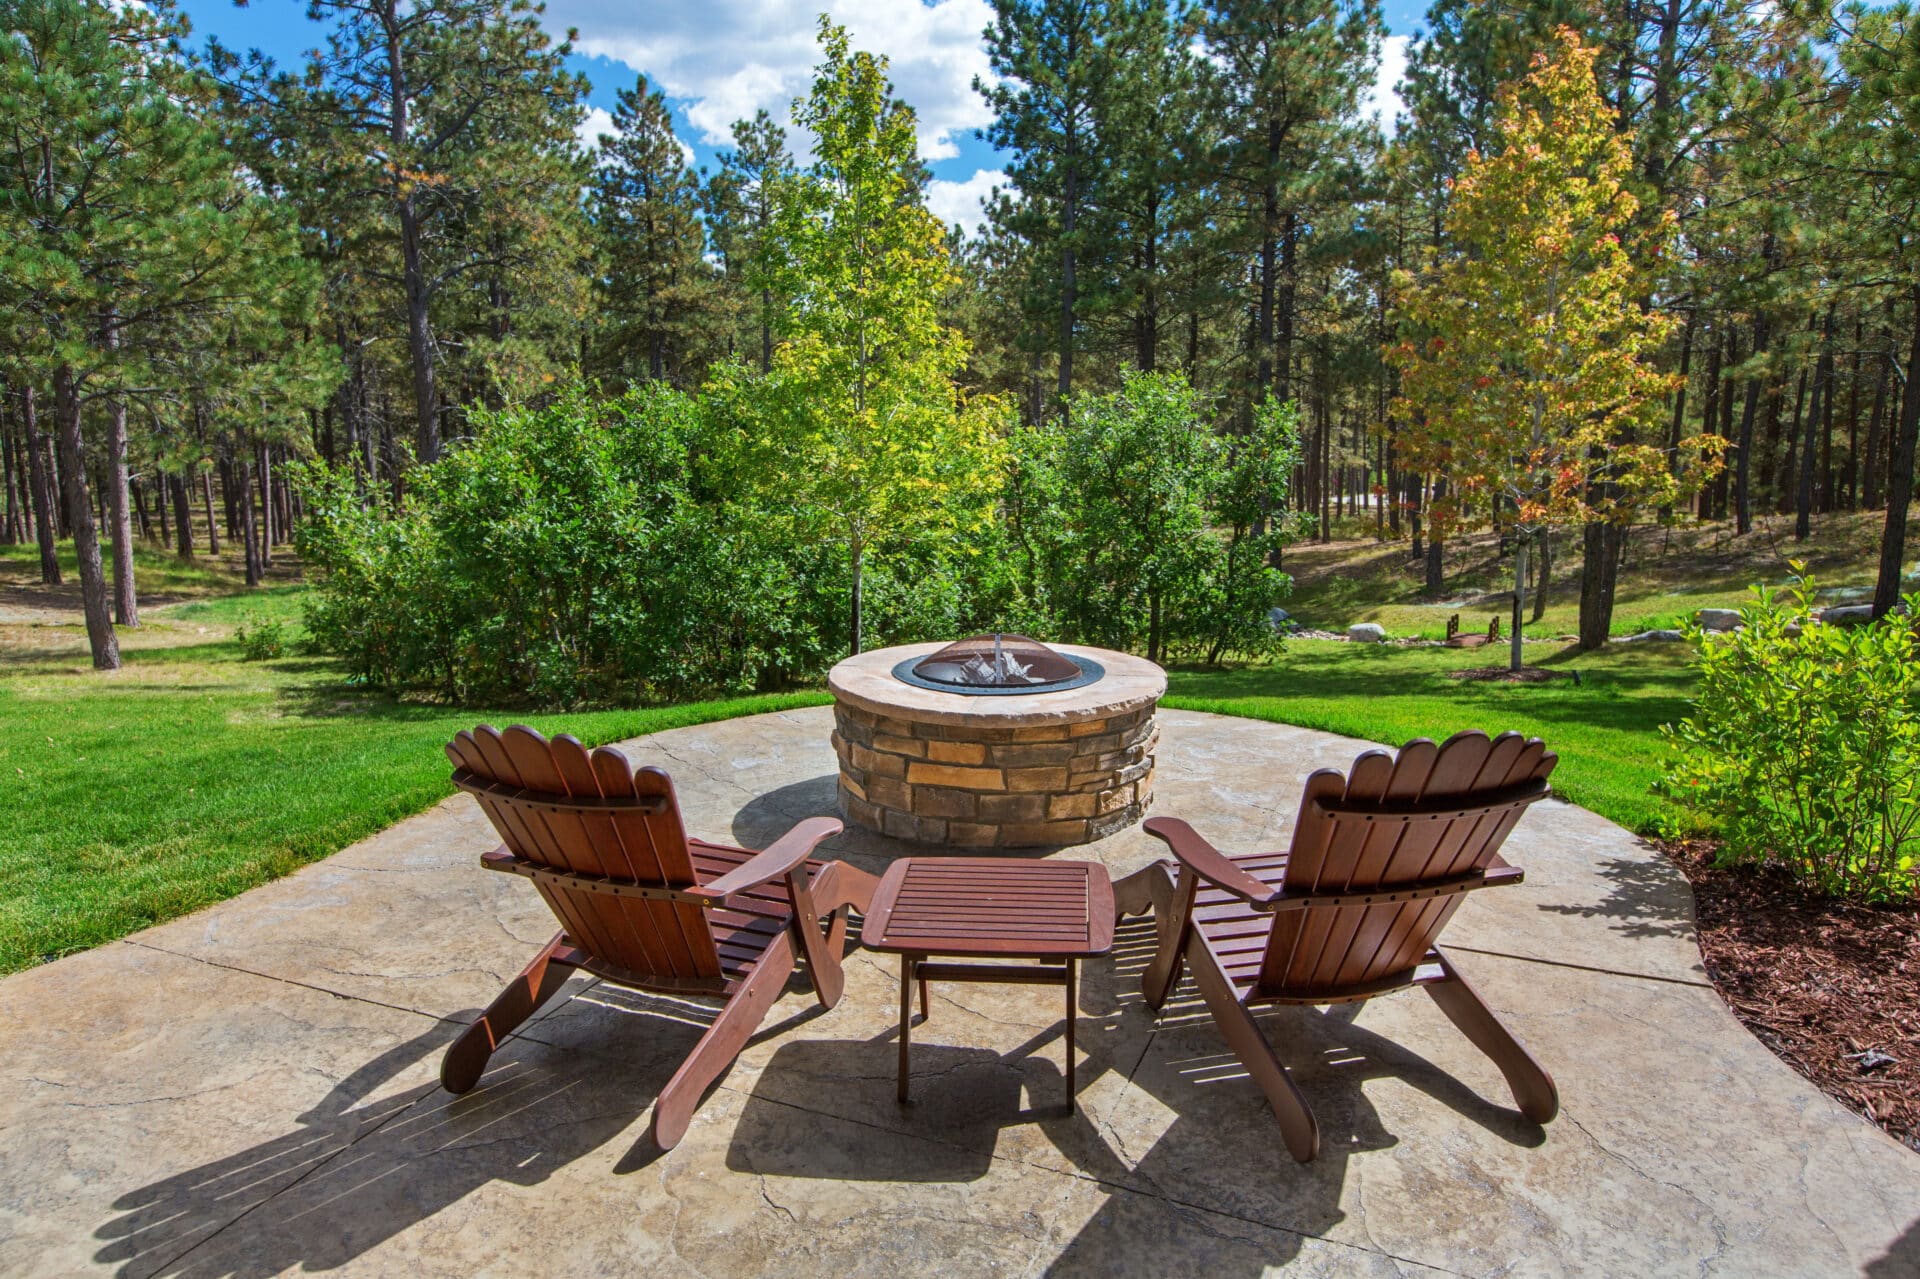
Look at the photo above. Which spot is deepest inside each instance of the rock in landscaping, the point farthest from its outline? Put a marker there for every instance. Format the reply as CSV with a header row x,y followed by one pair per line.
x,y
1847,615
1718,619
1366,633
1652,637
1281,621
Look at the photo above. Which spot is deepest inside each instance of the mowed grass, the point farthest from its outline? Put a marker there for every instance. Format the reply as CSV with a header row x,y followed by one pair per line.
x,y
192,775
1605,729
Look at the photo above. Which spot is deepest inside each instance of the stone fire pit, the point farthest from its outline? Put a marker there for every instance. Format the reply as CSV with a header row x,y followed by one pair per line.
x,y
1011,770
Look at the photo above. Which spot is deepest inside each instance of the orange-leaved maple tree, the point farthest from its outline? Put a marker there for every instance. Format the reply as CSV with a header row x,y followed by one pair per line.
x,y
1525,360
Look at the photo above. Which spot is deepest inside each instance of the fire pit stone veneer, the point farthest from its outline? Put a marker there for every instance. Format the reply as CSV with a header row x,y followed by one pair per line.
x,y
1010,771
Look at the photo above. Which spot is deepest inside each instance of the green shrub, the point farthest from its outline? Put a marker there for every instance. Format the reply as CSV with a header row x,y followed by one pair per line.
x,y
1135,525
1804,747
593,552
262,639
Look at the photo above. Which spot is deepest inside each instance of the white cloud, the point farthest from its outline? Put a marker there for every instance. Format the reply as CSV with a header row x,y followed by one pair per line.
x,y
1382,98
598,121
729,58
961,202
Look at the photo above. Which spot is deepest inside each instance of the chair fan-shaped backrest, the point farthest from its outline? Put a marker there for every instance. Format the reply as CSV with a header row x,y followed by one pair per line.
x,y
628,830
1383,826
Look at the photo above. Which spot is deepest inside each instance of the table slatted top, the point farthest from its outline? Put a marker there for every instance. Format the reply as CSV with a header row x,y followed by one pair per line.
x,y
991,906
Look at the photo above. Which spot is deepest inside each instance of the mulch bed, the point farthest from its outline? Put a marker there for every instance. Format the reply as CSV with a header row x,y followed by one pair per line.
x,y
1833,989
1501,675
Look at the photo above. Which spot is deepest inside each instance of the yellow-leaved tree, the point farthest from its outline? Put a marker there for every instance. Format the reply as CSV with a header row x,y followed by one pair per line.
x,y
1525,356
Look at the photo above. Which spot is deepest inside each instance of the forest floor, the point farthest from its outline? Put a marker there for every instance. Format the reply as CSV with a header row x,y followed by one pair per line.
x,y
1668,574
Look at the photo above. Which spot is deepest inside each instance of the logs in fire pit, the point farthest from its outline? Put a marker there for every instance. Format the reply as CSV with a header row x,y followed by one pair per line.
x,y
996,741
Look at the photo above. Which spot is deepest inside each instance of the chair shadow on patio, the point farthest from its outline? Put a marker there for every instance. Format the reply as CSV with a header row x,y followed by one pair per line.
x,y
1221,1152
355,1172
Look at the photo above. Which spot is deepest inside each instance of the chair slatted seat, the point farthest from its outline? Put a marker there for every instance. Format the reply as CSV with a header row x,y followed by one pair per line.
x,y
643,905
1381,858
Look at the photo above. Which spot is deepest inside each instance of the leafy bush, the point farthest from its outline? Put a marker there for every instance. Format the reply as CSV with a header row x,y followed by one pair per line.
x,y
1804,747
262,639
592,551
1136,526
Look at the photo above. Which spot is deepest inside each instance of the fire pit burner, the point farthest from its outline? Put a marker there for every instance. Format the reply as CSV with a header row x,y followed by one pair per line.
x,y
985,665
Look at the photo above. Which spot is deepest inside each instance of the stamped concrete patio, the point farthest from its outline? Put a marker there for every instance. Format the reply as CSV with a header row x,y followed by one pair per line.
x,y
251,1090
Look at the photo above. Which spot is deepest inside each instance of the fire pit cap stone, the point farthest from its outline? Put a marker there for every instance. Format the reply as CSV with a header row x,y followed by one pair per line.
x,y
867,681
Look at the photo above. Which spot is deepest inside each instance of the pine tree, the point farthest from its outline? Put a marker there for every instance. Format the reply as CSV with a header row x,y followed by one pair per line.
x,y
1053,67
738,201
1289,75
127,238
466,113
646,204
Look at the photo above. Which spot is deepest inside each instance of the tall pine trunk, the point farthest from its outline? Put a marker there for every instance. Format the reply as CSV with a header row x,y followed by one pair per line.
x,y
182,516
1436,576
1893,542
247,537
126,609
45,509
94,600
1743,476
213,528
1874,421
1599,574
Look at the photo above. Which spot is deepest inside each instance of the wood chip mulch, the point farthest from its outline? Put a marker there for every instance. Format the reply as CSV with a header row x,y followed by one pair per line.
x,y
1833,989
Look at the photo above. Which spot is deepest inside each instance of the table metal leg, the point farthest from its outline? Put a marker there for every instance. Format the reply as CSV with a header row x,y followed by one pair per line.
x,y
906,1018
1073,1009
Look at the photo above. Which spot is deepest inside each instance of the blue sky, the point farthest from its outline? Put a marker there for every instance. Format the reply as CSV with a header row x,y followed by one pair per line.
x,y
718,60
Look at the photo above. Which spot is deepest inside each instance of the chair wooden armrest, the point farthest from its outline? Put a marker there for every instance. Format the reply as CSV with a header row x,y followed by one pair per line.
x,y
1498,872
781,858
1208,862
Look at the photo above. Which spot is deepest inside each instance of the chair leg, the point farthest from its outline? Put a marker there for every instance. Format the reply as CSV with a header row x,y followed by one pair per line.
x,y
1172,908
1532,1086
1237,1026
821,950
724,1039
466,1058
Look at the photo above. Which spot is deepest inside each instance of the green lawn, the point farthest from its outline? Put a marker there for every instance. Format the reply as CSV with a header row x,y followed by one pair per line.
x,y
1605,730
192,775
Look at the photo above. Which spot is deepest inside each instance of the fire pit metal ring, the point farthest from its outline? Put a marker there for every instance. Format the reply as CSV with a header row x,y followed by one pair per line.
x,y
1090,671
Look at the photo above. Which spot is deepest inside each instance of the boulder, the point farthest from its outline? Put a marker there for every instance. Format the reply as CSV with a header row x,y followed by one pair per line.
x,y
1281,621
1718,619
1847,615
1652,637
1366,633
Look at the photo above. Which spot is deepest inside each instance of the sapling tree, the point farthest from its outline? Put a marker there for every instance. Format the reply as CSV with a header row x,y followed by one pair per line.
x,y
859,427
1526,359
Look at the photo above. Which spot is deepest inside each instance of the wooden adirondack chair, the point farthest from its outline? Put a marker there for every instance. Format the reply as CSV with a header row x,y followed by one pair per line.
x,y
642,905
1351,910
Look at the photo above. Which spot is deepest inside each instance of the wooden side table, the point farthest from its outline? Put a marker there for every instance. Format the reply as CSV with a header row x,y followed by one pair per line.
x,y
1054,913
